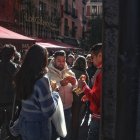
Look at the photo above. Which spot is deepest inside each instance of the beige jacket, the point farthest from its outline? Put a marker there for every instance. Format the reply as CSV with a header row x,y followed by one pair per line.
x,y
65,92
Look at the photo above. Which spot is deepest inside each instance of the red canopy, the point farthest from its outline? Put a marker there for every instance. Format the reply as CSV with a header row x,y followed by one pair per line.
x,y
49,43
10,36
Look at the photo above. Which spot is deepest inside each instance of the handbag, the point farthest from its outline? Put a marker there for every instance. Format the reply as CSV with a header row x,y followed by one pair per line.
x,y
58,119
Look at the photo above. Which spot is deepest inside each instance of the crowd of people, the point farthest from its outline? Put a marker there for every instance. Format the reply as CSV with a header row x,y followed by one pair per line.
x,y
39,80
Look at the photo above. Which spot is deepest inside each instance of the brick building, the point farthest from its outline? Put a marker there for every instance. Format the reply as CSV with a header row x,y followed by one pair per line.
x,y
36,18
7,13
45,18
93,9
73,19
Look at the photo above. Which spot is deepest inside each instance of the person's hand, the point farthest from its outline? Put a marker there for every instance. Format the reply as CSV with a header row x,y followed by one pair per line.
x,y
84,98
54,85
71,79
81,83
64,82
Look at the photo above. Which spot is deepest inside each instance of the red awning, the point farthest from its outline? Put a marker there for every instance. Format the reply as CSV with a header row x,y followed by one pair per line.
x,y
49,43
8,35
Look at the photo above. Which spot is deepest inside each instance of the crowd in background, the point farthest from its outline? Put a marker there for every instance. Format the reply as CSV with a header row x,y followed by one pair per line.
x,y
31,79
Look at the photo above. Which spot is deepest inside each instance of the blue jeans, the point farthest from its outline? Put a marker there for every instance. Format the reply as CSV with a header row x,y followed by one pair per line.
x,y
93,133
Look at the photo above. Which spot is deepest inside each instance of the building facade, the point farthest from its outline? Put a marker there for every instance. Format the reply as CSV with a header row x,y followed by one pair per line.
x,y
7,13
36,18
40,18
46,18
73,18
93,9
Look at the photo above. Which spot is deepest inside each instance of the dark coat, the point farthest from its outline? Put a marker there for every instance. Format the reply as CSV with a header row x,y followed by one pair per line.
x,y
7,72
78,107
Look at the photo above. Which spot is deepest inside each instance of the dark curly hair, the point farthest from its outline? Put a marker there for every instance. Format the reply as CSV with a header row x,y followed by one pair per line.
x,y
95,49
80,63
7,52
32,69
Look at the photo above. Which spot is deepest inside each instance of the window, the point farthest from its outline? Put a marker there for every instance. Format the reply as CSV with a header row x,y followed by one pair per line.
x,y
42,9
66,27
94,10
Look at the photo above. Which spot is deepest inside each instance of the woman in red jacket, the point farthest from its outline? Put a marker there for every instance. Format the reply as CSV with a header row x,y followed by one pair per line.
x,y
94,94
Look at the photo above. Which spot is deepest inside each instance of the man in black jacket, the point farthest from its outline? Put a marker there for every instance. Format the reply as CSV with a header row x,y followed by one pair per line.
x,y
7,71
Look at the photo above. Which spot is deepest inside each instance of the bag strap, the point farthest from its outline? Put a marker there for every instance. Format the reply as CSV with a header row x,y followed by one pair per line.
x,y
13,107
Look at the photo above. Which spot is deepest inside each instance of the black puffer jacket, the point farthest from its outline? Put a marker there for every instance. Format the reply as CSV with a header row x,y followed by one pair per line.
x,y
7,72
